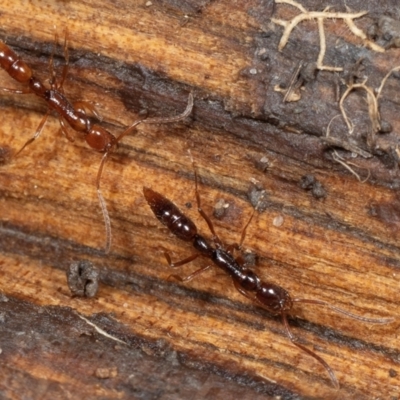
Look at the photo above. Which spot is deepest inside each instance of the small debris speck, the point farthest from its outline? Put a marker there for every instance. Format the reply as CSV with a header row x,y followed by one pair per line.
x,y
220,208
392,373
262,164
83,279
386,127
278,221
308,182
106,373
257,196
262,51
250,259
318,191
5,155
3,298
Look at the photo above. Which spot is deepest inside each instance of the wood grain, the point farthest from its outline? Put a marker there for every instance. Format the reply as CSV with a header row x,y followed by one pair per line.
x,y
201,339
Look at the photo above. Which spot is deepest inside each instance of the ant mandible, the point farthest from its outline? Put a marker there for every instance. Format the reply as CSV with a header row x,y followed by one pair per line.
x,y
269,295
76,115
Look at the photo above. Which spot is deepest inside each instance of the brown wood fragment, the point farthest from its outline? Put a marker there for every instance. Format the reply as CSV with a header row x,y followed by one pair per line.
x,y
157,337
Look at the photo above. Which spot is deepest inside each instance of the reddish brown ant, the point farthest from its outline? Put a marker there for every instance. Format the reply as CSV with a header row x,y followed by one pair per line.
x,y
97,137
270,296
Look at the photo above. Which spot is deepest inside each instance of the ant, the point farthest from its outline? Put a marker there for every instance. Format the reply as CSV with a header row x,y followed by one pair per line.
x,y
75,115
270,296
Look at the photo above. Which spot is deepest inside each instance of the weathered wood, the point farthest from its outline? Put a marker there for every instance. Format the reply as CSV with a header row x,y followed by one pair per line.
x,y
201,338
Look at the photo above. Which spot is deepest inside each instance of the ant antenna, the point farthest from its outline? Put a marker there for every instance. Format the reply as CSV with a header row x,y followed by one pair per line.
x,y
160,120
215,238
344,312
310,352
37,133
243,235
106,216
338,310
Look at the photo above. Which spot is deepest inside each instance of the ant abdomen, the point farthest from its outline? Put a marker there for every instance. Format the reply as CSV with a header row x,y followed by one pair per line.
x,y
169,215
13,64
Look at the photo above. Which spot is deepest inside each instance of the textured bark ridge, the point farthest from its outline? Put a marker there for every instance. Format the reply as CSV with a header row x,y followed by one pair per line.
x,y
293,101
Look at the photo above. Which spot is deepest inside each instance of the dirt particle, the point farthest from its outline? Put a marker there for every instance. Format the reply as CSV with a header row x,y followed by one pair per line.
x,y
83,279
278,221
392,373
257,197
220,209
106,373
309,182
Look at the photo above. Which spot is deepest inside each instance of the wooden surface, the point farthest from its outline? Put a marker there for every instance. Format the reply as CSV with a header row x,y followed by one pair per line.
x,y
200,339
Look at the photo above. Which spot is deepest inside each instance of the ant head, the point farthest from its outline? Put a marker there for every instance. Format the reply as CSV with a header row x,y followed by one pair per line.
x,y
100,139
274,298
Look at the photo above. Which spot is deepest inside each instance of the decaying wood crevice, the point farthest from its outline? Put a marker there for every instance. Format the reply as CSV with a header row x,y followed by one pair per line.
x,y
325,234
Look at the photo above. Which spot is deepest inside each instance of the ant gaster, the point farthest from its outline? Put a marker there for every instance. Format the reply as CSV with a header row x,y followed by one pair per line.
x,y
97,137
270,296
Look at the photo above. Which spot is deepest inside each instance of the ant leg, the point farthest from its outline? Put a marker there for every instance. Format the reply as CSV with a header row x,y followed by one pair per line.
x,y
344,312
183,262
311,353
243,234
238,246
245,259
37,133
191,276
232,247
202,213
86,107
244,230
64,130
179,263
242,291
215,237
